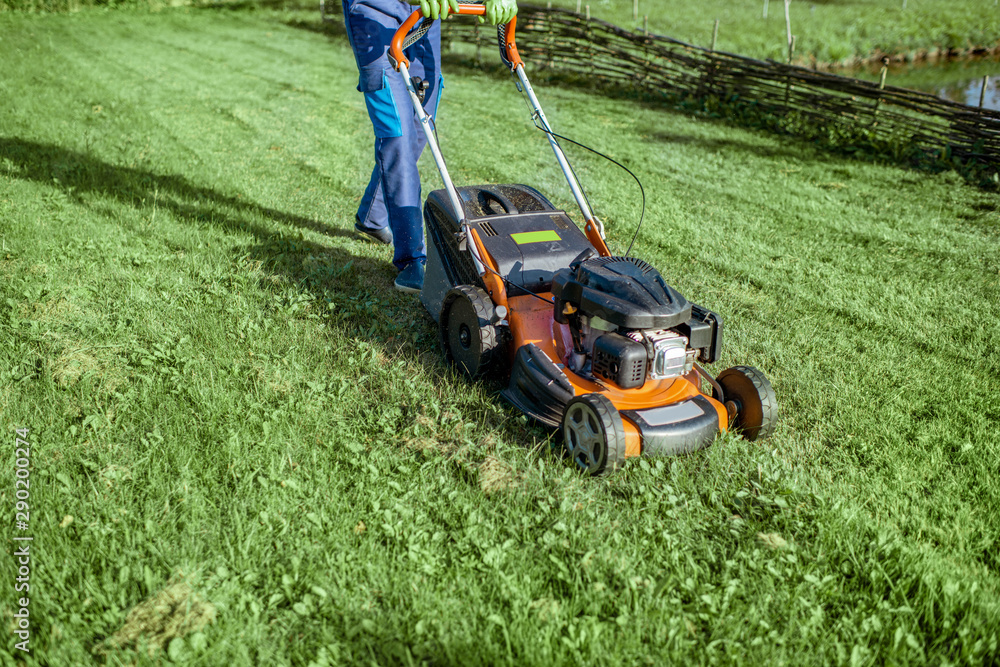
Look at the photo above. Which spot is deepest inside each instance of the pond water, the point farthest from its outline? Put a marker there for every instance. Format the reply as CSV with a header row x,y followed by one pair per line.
x,y
957,80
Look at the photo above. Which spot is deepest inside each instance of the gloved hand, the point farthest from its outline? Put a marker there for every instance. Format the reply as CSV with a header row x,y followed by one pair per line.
x,y
500,11
435,9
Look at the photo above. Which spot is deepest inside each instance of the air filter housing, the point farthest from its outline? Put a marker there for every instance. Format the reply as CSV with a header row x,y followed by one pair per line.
x,y
620,360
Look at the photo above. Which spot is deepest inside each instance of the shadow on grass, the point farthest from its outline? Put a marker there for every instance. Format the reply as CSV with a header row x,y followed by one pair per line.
x,y
254,5
79,173
333,273
362,285
342,274
329,28
716,144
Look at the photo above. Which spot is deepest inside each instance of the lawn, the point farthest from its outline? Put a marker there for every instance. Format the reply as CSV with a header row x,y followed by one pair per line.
x,y
826,31
232,412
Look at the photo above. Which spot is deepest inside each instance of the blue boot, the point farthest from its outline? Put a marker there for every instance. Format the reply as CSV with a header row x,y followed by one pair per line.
x,y
411,278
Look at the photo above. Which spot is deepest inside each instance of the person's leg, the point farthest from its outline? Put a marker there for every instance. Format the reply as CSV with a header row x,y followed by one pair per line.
x,y
372,218
396,159
399,139
404,202
370,25
371,213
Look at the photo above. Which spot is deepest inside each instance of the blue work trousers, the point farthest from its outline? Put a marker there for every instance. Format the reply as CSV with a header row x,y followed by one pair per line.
x,y
392,197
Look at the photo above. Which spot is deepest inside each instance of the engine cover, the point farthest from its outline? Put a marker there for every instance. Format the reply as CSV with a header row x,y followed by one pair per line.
x,y
624,291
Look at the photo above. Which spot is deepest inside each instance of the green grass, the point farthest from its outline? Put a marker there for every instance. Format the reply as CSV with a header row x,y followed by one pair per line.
x,y
827,31
830,31
223,390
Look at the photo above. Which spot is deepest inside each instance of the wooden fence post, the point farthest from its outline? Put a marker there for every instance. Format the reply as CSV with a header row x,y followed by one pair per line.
x,y
647,61
635,10
765,9
548,35
881,86
590,51
982,91
707,86
788,25
645,24
479,52
788,81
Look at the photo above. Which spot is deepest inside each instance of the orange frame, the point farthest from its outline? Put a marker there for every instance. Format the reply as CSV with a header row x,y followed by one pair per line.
x,y
531,321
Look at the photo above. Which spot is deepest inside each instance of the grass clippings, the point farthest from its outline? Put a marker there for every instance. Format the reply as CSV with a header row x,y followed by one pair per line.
x,y
495,475
174,612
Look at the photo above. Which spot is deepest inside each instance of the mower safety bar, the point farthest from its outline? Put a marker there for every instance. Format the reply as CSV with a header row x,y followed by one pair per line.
x,y
509,54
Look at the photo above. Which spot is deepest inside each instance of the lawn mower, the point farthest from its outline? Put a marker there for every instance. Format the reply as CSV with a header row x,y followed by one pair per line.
x,y
594,344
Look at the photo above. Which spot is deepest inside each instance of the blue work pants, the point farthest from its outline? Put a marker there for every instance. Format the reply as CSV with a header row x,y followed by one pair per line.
x,y
393,194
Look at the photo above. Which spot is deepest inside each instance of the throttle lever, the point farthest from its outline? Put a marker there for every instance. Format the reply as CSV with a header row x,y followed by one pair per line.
x,y
420,86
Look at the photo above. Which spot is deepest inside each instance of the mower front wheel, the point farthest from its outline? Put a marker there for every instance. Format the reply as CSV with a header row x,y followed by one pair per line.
x,y
468,336
750,400
594,434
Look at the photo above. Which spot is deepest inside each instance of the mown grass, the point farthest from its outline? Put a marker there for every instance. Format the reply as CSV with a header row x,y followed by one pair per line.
x,y
228,402
827,31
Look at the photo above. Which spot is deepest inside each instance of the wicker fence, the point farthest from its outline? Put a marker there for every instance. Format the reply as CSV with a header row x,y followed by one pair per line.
x,y
915,126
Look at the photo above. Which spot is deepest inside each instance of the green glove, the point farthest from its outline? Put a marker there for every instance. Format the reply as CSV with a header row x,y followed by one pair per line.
x,y
500,11
435,9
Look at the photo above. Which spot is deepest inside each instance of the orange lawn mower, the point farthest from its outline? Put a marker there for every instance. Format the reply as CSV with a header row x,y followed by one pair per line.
x,y
596,345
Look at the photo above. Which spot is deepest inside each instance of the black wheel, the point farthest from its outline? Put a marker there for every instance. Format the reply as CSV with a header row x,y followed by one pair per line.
x,y
468,336
753,408
593,433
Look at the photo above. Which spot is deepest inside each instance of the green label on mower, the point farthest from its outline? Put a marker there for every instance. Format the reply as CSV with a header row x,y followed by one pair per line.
x,y
535,237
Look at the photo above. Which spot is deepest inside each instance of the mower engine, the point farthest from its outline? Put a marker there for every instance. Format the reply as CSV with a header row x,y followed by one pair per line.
x,y
628,325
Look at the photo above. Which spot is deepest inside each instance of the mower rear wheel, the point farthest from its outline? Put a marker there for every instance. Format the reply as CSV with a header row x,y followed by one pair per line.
x,y
594,434
750,400
468,336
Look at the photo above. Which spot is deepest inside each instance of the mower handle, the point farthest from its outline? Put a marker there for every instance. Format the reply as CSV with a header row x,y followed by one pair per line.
x,y
507,46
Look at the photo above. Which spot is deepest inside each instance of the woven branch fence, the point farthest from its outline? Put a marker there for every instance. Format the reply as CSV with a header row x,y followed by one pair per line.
x,y
914,126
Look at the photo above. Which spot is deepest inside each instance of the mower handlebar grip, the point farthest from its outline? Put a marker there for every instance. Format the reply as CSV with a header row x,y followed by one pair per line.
x,y
396,56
